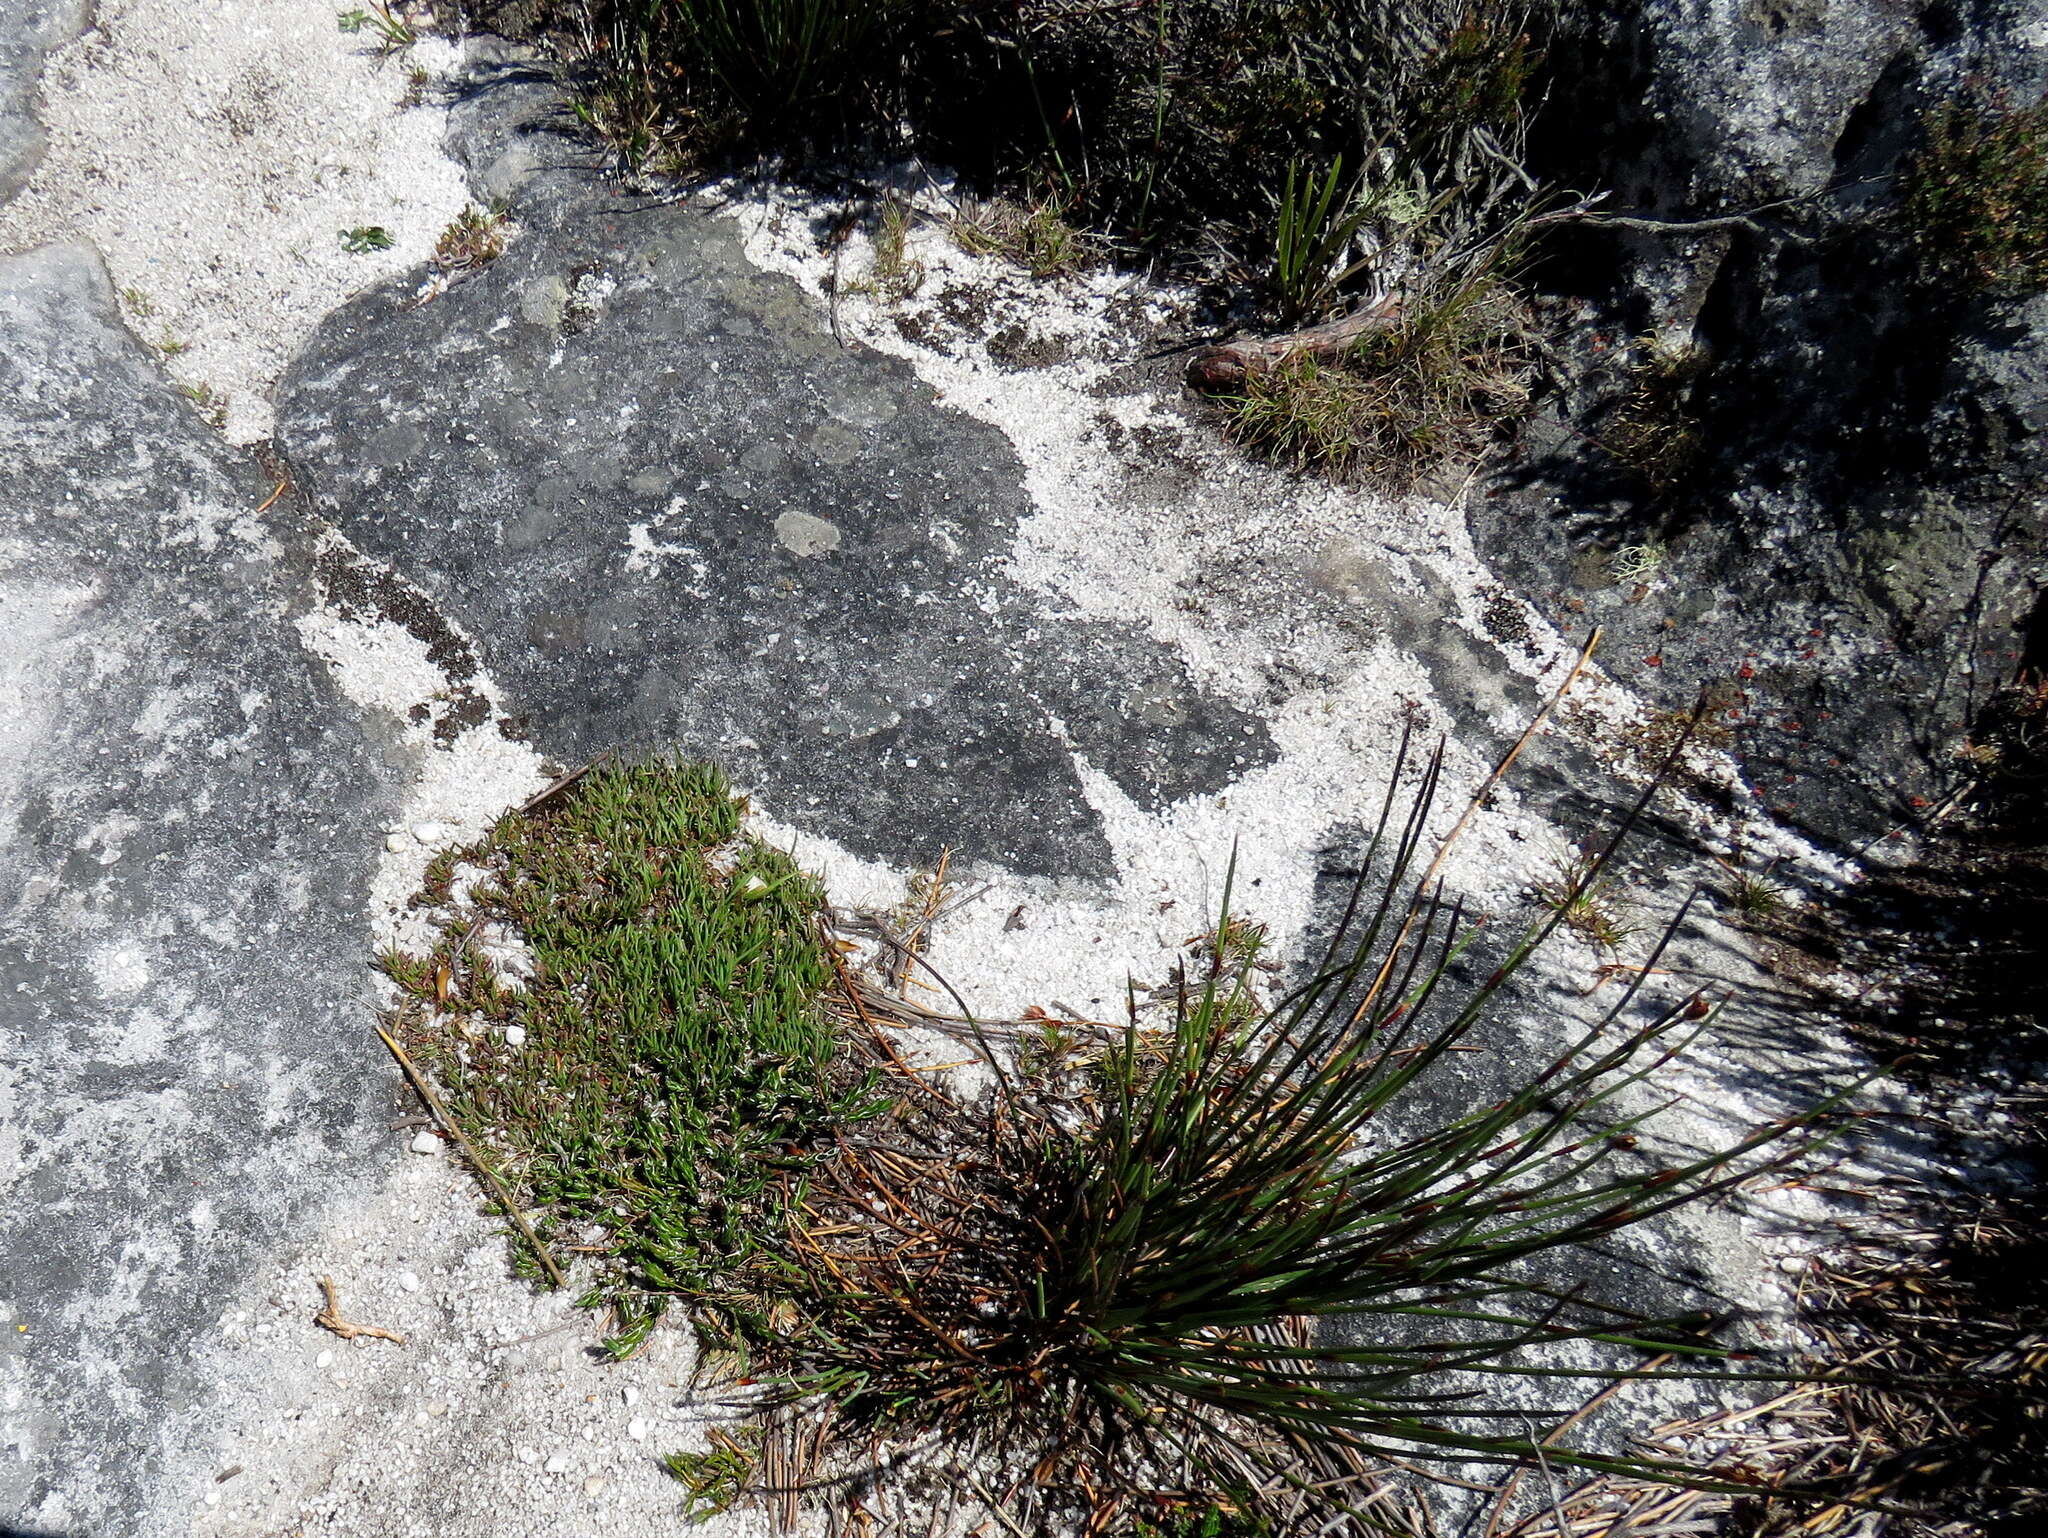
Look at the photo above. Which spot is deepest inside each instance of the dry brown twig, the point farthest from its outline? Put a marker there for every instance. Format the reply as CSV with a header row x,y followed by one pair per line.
x,y
928,893
1226,366
1779,1441
559,784
477,1161
330,1318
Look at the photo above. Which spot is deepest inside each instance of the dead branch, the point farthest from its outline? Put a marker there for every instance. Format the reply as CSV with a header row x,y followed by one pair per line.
x,y
329,1318
477,1162
561,783
1223,368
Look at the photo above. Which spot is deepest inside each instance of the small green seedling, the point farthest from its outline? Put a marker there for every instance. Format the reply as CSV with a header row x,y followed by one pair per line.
x,y
1318,218
1753,895
714,1479
474,239
1034,235
211,403
895,273
1577,891
365,238
392,32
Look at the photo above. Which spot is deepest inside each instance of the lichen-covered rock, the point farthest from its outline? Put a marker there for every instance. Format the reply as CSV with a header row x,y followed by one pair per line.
x,y
186,816
1691,104
673,509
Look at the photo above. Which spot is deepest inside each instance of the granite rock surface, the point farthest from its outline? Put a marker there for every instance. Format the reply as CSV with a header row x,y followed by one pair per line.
x,y
28,30
187,814
674,509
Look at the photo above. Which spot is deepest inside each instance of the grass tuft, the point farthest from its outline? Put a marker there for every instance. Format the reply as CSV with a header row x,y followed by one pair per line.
x,y
382,22
893,274
1303,413
1582,894
675,1071
473,240
1432,391
715,1479
210,403
1753,896
1654,429
1208,1248
1312,235
1035,235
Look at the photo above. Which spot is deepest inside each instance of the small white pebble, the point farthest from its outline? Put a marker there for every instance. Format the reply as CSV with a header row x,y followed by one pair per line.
x,y
631,1396
394,842
636,1428
213,1497
408,1281
595,1484
324,1359
1793,1265
425,1141
527,1455
432,832
557,1464
515,1035
438,1407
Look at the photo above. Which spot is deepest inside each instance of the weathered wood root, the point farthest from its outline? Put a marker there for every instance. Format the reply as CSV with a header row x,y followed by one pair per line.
x,y
1225,368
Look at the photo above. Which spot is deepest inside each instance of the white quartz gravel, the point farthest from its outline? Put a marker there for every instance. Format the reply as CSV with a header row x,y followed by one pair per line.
x,y
214,151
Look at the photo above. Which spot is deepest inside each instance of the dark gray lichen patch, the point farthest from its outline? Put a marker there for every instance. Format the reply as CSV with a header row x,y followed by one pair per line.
x,y
1507,621
1018,347
362,592
701,523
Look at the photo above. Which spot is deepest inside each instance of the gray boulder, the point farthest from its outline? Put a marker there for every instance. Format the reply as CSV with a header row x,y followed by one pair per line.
x,y
1854,553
